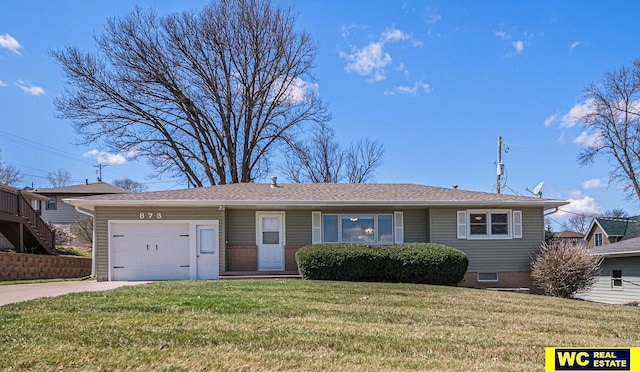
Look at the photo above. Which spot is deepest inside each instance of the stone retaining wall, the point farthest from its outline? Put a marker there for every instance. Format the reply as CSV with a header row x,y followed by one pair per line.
x,y
22,266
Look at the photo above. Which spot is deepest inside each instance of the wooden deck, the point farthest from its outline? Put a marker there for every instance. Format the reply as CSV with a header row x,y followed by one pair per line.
x,y
23,226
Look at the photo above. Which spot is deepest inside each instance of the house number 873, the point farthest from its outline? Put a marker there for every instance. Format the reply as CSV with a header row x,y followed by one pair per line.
x,y
150,216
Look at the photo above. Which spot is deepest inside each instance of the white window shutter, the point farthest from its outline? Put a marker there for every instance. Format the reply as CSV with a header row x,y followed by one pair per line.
x,y
316,227
517,224
398,224
462,224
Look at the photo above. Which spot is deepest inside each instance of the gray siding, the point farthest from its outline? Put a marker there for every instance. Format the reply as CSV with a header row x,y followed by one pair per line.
x,y
491,255
241,227
65,214
104,214
298,228
241,224
416,226
602,291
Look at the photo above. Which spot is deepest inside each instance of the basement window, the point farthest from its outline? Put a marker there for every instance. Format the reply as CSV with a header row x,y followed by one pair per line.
x,y
487,277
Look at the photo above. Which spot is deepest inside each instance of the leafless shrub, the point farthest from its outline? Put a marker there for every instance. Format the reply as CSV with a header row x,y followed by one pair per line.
x,y
63,236
563,268
83,229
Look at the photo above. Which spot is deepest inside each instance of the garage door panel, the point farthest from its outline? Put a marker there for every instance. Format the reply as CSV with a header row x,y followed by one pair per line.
x,y
149,251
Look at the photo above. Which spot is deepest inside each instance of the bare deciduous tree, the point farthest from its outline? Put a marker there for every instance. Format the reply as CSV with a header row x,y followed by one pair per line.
x,y
130,185
59,178
615,213
205,95
362,158
579,222
320,159
9,175
613,124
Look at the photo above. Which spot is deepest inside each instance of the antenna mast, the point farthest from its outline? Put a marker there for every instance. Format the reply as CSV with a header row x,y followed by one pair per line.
x,y
499,165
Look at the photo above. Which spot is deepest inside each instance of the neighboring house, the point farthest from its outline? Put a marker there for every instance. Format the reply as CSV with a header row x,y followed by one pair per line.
x,y
21,228
609,230
619,279
568,236
54,210
258,228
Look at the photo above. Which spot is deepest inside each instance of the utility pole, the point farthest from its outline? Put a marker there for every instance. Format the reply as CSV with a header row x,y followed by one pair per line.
x,y
100,166
499,165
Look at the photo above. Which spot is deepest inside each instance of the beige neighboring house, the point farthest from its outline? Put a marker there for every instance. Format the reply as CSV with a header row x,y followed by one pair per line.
x,y
54,210
255,228
609,230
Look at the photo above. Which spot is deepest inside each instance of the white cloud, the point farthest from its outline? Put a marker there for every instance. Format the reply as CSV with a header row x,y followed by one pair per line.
x,y
575,45
501,34
588,139
109,158
549,120
30,89
394,35
9,42
576,113
372,60
417,87
594,183
518,46
3,84
298,91
579,204
432,16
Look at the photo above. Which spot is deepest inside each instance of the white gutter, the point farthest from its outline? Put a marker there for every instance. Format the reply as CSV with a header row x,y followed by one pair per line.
x,y
552,212
309,203
93,241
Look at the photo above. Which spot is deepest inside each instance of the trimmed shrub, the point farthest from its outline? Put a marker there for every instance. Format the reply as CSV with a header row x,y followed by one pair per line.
x,y
426,263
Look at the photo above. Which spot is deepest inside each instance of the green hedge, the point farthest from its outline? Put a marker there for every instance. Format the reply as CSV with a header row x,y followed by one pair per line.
x,y
408,263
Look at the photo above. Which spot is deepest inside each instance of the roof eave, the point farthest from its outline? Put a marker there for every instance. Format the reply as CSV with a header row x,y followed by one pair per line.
x,y
617,254
91,204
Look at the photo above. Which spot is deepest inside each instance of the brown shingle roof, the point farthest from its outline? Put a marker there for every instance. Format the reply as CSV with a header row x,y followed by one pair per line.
x,y
317,194
83,189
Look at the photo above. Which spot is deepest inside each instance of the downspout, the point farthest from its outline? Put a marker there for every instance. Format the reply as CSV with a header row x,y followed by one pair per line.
x,y
545,214
93,243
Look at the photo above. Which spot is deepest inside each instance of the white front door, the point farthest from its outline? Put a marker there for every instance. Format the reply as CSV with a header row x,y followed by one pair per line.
x,y
270,241
207,251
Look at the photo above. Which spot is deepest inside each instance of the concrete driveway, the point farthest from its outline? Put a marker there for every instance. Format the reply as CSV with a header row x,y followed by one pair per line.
x,y
24,292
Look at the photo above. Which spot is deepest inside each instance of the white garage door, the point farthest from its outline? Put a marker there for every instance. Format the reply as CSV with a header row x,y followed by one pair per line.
x,y
149,251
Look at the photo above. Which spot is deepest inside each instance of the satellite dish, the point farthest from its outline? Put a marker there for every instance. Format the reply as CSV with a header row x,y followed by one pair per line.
x,y
536,190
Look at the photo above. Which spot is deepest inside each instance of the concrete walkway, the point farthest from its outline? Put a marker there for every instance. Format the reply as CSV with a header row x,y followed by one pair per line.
x,y
13,293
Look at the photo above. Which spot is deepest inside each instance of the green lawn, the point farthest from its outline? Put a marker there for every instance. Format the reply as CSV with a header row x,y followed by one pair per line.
x,y
302,325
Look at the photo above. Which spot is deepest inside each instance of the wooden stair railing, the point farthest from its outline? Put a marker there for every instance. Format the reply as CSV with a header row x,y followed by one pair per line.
x,y
15,204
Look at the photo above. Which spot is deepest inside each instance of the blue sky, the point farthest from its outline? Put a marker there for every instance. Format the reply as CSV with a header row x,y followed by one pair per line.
x,y
436,82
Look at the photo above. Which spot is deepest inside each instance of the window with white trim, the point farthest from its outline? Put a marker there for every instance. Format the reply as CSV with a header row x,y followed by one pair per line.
x,y
358,228
597,239
52,203
489,224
